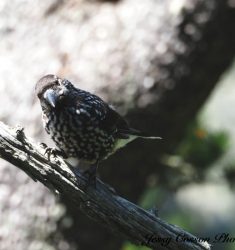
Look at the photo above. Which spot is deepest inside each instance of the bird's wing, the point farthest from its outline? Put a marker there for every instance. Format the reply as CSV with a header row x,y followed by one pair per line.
x,y
96,110
116,124
89,108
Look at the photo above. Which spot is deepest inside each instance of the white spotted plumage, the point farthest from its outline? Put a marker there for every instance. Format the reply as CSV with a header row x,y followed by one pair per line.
x,y
82,124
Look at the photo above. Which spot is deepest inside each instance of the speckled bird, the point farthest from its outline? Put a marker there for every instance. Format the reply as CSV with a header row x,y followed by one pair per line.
x,y
81,124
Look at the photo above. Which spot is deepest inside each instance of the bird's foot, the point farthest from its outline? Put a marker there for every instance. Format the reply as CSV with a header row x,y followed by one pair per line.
x,y
53,152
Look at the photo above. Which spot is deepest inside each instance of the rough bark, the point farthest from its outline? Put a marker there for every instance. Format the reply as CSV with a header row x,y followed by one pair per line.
x,y
101,203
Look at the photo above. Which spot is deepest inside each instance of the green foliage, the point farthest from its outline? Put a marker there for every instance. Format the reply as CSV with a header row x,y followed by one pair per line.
x,y
202,147
153,196
129,246
181,220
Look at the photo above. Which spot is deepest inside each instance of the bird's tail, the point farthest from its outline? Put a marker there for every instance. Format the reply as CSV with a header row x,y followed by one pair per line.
x,y
127,135
137,133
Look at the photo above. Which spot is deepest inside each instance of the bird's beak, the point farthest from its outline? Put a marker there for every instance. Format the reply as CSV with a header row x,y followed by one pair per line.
x,y
51,97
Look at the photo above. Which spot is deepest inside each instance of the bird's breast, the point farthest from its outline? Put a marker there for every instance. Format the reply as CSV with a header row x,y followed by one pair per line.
x,y
78,137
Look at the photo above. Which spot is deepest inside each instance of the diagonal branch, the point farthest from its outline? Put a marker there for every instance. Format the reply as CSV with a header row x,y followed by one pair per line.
x,y
101,204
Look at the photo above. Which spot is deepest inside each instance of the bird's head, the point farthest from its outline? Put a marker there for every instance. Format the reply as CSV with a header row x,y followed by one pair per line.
x,y
53,91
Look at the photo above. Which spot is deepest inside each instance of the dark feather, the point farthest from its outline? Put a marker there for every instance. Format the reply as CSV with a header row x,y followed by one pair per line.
x,y
115,123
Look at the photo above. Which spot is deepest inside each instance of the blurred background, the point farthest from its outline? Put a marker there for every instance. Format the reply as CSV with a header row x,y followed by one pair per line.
x,y
168,67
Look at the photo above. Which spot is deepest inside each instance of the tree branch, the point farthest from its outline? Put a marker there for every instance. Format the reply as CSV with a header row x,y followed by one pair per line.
x,y
101,204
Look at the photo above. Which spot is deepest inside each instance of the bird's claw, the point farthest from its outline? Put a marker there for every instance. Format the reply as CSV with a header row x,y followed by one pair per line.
x,y
54,152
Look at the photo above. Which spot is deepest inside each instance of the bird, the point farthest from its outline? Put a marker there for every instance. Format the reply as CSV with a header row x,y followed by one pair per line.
x,y
81,124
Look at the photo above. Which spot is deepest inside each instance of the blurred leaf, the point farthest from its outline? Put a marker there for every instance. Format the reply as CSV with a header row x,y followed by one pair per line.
x,y
181,220
202,147
129,246
153,196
